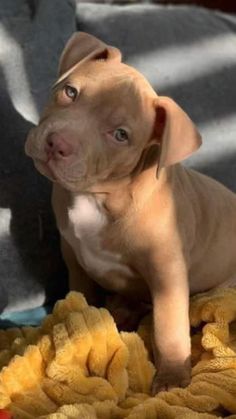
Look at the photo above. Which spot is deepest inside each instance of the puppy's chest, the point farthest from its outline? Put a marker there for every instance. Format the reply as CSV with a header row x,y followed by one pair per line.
x,y
87,226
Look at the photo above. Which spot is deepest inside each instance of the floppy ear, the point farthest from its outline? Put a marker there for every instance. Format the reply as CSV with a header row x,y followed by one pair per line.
x,y
175,133
82,46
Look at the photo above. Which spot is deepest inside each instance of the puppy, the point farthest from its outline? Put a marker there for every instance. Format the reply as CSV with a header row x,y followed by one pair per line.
x,y
131,218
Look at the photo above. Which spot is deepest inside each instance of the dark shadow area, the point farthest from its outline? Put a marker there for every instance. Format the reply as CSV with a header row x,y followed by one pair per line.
x,y
27,195
32,5
7,324
3,294
224,5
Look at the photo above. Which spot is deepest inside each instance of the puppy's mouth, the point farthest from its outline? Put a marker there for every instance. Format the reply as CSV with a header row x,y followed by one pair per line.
x,y
46,169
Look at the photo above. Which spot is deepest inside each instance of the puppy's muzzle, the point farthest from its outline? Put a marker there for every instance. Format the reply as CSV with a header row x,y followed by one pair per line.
x,y
57,147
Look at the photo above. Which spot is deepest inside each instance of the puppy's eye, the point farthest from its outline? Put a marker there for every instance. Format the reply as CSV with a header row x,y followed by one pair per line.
x,y
121,135
71,92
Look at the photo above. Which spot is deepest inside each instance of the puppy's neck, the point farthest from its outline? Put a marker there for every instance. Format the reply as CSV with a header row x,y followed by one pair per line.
x,y
121,196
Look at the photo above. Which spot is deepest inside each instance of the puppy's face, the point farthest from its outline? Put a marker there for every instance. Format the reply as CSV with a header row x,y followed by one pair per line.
x,y
102,118
95,126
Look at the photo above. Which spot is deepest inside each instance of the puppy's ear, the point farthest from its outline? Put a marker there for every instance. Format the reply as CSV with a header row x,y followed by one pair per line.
x,y
83,46
175,133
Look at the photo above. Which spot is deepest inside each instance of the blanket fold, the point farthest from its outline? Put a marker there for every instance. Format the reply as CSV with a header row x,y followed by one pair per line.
x,y
77,364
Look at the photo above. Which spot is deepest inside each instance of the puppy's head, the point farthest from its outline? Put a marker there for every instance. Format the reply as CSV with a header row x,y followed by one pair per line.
x,y
102,118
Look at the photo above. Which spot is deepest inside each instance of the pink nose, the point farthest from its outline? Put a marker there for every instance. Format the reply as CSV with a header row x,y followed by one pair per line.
x,y
57,147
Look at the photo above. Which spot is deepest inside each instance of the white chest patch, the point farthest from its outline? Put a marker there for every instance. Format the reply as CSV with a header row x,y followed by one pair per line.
x,y
87,221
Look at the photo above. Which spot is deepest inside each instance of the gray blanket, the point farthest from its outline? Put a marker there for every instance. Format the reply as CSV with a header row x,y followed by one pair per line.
x,y
186,52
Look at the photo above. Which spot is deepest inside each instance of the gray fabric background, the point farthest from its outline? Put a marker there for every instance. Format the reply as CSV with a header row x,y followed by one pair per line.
x,y
32,35
186,52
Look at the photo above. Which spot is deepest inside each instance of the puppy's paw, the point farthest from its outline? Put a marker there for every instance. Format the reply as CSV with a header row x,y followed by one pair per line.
x,y
171,376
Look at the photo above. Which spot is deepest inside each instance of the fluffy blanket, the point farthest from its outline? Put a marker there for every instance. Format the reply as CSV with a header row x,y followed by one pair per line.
x,y
77,365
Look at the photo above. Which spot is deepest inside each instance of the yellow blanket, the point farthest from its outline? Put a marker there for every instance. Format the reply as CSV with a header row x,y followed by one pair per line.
x,y
77,365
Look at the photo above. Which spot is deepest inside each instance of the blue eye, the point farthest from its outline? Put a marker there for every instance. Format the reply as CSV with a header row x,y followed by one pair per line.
x,y
70,91
121,135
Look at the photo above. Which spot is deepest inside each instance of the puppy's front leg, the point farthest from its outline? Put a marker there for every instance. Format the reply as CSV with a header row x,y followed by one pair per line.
x,y
171,337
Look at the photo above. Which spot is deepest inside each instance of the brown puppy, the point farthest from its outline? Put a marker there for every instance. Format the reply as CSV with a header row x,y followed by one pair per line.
x,y
131,218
